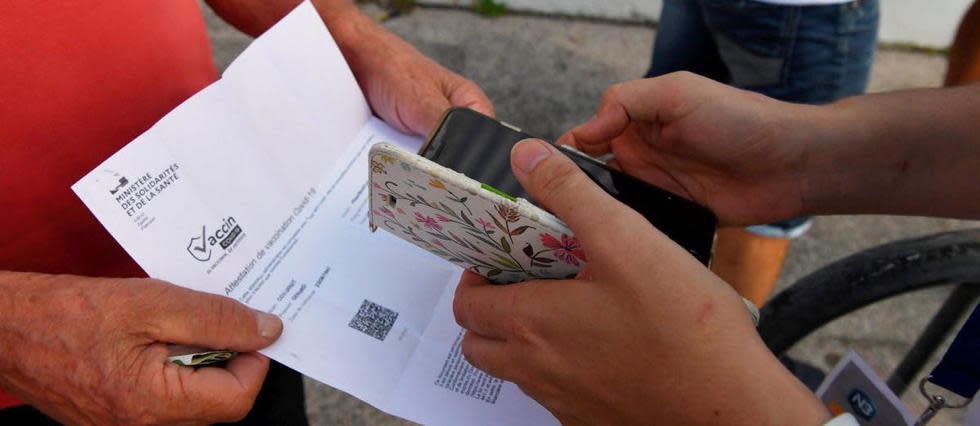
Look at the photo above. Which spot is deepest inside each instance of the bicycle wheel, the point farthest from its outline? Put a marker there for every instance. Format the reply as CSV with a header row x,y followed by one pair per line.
x,y
868,277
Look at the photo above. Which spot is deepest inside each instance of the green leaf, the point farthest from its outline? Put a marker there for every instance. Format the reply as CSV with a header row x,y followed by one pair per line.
x,y
465,219
488,242
493,272
505,261
490,8
457,239
505,244
441,237
474,247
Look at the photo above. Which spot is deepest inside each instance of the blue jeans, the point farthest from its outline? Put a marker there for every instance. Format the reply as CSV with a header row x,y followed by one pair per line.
x,y
804,54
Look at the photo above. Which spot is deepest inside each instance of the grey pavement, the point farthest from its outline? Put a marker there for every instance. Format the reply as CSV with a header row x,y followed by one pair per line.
x,y
548,74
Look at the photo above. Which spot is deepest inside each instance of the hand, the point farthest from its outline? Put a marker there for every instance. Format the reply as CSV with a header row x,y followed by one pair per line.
x,y
93,351
644,335
403,86
728,149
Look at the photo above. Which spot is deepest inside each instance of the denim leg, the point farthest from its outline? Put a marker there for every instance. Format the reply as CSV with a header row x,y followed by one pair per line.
x,y
683,42
804,54
833,53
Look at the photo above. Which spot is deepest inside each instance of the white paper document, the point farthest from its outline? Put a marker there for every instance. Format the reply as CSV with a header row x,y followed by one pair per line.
x,y
256,188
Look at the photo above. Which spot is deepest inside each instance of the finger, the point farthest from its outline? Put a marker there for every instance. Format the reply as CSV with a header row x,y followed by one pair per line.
x,y
194,318
489,355
456,92
611,120
425,115
484,308
666,98
598,220
656,100
225,394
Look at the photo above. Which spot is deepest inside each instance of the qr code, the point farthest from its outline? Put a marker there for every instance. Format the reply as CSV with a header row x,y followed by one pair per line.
x,y
374,320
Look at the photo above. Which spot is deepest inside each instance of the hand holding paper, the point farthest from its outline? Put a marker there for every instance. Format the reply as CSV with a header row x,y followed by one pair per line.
x,y
405,88
117,350
256,189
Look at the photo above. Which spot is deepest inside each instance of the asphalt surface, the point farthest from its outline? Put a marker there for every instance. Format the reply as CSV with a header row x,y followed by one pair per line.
x,y
548,74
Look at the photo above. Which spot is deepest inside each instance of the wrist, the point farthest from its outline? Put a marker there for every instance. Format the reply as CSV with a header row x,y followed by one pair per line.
x,y
796,129
357,35
15,289
854,159
833,167
778,396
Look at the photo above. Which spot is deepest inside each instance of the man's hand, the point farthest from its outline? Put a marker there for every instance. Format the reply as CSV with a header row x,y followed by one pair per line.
x,y
725,148
403,86
644,335
93,351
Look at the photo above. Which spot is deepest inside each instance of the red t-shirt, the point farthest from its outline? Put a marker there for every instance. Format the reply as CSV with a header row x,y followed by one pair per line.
x,y
78,80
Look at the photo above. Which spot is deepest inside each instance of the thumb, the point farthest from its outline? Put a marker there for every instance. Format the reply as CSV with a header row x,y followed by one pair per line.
x,y
467,94
561,187
190,317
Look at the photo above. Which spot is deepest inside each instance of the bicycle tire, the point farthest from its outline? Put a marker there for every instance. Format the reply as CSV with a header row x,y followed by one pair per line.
x,y
867,277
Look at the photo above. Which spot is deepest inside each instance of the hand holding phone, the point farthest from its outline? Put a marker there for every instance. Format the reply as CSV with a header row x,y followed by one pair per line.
x,y
455,201
466,222
479,147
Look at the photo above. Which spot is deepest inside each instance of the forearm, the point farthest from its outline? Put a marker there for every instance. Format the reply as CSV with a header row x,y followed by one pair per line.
x,y
913,152
21,298
253,17
769,394
359,36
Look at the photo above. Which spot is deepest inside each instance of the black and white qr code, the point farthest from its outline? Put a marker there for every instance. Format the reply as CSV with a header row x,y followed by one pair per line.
x,y
374,320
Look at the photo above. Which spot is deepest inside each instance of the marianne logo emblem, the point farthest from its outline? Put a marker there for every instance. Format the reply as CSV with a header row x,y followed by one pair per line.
x,y
862,404
201,246
122,183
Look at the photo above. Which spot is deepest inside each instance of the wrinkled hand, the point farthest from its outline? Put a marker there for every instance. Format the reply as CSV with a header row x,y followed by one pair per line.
x,y
92,351
403,86
644,335
729,149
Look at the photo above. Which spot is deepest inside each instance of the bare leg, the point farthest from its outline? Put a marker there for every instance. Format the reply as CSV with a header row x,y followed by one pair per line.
x,y
748,262
964,54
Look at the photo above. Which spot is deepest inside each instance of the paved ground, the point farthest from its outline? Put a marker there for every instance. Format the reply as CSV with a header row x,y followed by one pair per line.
x,y
548,75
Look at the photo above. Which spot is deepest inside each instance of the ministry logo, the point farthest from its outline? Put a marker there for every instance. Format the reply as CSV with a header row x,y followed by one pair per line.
x,y
122,184
201,246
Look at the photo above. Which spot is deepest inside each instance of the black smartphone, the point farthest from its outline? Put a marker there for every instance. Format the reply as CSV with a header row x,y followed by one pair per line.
x,y
479,147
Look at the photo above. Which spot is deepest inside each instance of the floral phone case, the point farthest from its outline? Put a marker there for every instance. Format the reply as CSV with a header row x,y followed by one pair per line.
x,y
468,223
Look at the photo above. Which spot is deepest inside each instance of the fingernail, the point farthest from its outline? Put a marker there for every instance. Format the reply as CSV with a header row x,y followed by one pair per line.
x,y
528,153
269,324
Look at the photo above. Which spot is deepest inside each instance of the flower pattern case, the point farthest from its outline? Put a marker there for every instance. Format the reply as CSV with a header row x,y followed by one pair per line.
x,y
465,222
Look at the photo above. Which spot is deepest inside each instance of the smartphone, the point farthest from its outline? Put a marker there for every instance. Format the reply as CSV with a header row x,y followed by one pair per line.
x,y
479,147
466,222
